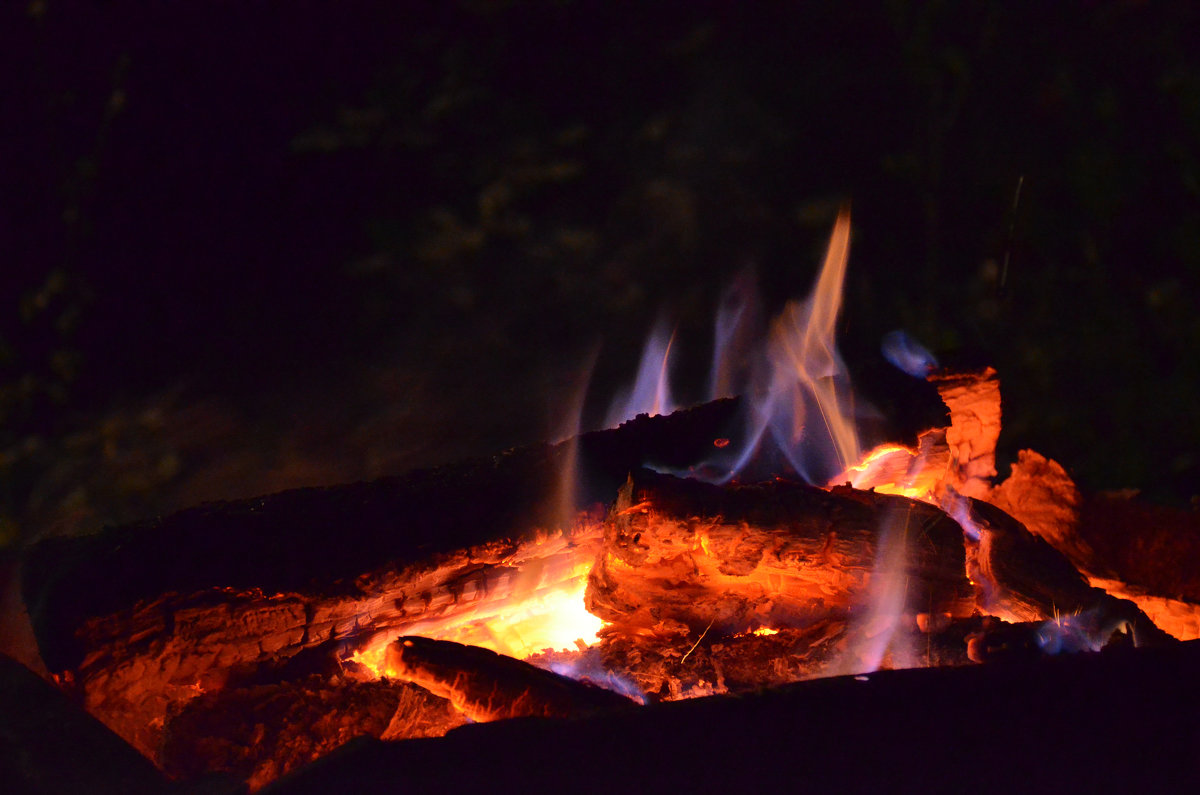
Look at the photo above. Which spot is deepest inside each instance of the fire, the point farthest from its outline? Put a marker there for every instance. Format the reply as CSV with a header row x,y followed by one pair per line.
x,y
538,608
651,392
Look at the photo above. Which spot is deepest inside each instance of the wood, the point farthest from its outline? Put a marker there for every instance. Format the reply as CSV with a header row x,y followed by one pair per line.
x,y
689,570
1147,554
144,617
257,733
50,745
1023,578
777,553
1120,721
486,686
974,403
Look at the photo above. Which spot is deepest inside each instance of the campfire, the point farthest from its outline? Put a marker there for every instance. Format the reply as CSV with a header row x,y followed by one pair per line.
x,y
742,544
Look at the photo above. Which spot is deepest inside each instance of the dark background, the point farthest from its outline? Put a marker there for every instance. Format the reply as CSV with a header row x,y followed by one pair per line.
x,y
247,247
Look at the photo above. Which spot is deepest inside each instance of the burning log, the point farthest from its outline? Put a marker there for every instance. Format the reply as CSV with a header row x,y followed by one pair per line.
x,y
486,686
1149,555
685,560
258,733
1023,578
50,745
146,617
974,403
767,554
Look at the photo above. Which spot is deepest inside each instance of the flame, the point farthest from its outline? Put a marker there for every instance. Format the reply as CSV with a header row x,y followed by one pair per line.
x,y
800,411
651,392
542,609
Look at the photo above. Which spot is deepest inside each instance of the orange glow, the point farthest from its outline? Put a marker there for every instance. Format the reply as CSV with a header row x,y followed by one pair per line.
x,y
805,357
894,469
765,631
541,607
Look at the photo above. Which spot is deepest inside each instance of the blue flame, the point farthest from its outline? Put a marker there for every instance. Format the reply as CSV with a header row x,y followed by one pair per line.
x,y
651,392
907,354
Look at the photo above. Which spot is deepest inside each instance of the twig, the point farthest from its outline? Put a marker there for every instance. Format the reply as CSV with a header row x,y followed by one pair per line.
x,y
697,643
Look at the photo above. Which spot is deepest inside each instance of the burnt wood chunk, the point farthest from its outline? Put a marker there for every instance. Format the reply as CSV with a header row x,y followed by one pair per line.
x,y
974,403
779,553
50,745
689,572
1023,578
487,686
261,732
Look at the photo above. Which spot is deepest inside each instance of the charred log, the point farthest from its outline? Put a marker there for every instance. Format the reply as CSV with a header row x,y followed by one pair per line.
x,y
1023,578
776,553
683,562
261,732
147,616
50,745
486,686
1145,553
325,539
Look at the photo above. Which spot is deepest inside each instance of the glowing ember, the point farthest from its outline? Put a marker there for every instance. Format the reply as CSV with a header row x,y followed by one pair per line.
x,y
538,608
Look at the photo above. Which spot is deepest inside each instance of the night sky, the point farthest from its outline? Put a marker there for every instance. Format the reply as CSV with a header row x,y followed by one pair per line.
x,y
254,246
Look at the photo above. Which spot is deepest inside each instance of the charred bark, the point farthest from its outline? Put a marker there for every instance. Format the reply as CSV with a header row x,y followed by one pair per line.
x,y
778,553
1023,578
688,572
147,616
486,686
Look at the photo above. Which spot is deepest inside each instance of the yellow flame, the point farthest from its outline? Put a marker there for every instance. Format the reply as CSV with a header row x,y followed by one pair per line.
x,y
803,340
536,617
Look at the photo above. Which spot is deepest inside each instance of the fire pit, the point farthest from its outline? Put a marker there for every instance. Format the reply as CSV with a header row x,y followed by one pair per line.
x,y
743,546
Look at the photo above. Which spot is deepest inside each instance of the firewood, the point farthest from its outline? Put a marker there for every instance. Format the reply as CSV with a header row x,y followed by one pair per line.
x,y
50,745
684,561
487,686
974,403
145,617
261,732
1147,554
1022,578
776,553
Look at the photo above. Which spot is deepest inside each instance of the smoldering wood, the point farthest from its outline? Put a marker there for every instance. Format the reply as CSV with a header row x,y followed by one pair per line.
x,y
1122,720
1145,553
684,561
775,553
1023,578
487,686
973,400
48,744
258,733
148,615
329,537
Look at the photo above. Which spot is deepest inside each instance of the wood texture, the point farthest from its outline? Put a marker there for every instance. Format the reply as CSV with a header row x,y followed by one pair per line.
x,y
486,686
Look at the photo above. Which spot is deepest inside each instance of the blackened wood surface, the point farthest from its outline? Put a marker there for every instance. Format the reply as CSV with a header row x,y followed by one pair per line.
x,y
487,686
314,539
1121,721
1023,578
